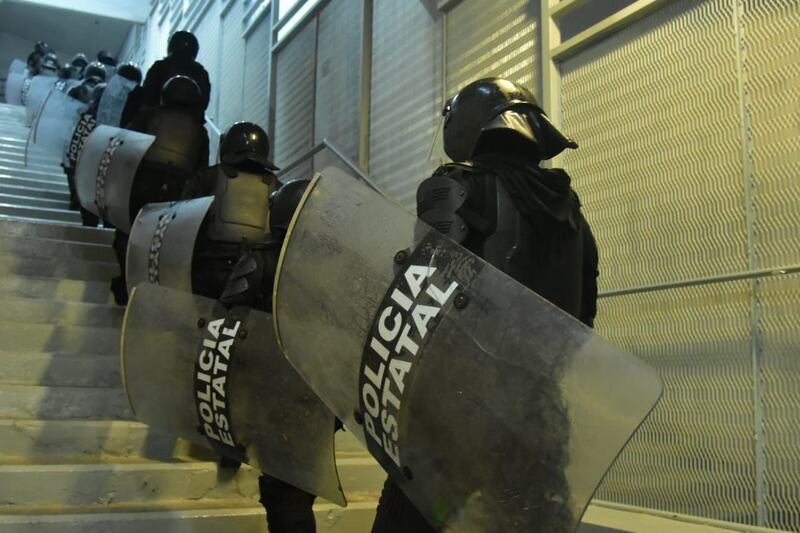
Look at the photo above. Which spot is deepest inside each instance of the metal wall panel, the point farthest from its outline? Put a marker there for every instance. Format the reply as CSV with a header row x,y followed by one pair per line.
x,y
338,78
406,97
495,38
694,453
208,34
231,76
656,111
771,38
256,74
294,99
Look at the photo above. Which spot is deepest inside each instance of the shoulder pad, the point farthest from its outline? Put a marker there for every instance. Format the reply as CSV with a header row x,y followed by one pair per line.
x,y
439,199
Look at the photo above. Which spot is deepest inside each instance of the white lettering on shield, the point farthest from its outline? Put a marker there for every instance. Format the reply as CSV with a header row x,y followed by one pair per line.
x,y
402,325
212,375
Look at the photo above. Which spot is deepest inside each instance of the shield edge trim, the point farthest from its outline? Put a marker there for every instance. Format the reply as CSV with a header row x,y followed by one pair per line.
x,y
122,376
284,247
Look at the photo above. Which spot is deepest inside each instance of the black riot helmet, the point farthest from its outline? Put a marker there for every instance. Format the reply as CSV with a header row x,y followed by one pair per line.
x,y
96,70
42,48
495,108
79,61
282,205
181,91
183,45
50,61
105,57
245,142
130,71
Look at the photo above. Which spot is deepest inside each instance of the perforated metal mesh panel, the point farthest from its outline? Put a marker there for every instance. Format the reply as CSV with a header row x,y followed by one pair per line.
x,y
294,98
656,109
208,35
495,38
772,54
406,96
694,455
231,75
338,82
256,74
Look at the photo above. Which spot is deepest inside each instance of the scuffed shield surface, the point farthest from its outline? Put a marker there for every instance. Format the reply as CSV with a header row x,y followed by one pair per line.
x,y
17,71
55,123
112,103
196,370
161,243
105,171
490,407
35,95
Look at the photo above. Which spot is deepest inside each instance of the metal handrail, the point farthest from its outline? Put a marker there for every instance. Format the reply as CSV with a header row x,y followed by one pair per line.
x,y
213,125
338,153
736,276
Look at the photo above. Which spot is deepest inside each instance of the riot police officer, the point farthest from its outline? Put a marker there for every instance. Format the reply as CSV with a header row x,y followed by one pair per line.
x,y
93,76
75,68
235,260
181,53
179,151
497,201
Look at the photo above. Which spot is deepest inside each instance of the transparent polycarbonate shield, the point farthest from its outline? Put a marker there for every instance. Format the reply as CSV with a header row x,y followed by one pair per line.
x,y
490,407
115,95
17,66
14,84
55,123
194,369
40,87
105,171
161,243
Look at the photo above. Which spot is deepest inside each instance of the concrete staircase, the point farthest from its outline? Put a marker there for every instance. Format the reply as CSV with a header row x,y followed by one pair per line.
x,y
72,459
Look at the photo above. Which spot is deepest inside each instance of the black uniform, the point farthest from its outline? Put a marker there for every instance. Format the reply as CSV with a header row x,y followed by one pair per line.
x,y
164,69
498,203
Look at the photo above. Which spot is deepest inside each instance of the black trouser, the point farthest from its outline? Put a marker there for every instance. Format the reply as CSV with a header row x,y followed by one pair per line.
x,y
119,285
87,218
396,513
289,509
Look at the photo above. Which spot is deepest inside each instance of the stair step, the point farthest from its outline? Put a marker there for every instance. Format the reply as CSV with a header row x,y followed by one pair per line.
x,y
356,518
60,313
33,191
59,370
34,201
58,268
28,401
43,213
8,179
56,174
56,248
17,161
55,290
103,486
47,337
49,230
88,441
16,154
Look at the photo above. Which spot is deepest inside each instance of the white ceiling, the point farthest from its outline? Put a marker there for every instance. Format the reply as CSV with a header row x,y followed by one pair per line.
x,y
70,30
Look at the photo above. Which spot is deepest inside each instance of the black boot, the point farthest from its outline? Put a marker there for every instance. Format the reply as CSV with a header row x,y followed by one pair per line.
x,y
120,290
289,509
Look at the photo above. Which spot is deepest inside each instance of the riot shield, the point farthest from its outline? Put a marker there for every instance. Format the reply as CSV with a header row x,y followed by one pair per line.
x,y
490,407
161,243
36,94
14,84
109,109
105,171
55,123
217,377
17,66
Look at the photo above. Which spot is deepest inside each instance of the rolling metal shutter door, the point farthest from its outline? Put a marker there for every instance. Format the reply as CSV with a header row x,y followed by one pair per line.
x,y
406,96
256,74
336,108
294,99
496,38
208,34
231,76
656,110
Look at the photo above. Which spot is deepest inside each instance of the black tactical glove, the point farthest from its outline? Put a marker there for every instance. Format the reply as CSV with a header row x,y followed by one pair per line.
x,y
244,285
